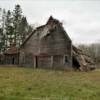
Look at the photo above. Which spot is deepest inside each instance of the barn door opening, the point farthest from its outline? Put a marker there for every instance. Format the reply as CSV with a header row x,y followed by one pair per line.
x,y
13,60
76,64
36,62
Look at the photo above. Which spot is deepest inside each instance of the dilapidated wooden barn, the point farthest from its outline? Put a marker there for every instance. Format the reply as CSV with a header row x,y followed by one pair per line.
x,y
48,46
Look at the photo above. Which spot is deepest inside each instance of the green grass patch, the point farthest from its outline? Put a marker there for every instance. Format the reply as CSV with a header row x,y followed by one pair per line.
x,y
17,83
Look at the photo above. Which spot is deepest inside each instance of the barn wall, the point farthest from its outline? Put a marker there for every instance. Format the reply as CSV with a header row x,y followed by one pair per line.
x,y
44,62
53,44
56,43
31,46
58,61
12,59
26,58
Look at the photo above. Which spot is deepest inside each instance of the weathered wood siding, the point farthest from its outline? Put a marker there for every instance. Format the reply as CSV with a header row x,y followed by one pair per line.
x,y
11,59
44,62
55,45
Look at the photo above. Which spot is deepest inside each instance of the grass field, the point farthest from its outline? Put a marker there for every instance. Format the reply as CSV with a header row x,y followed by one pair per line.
x,y
38,84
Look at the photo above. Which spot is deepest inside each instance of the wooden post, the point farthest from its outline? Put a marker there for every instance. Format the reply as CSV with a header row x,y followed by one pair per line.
x,y
71,55
34,61
51,61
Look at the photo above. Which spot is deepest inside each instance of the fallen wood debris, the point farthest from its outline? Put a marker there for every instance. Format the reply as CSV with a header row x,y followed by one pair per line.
x,y
82,61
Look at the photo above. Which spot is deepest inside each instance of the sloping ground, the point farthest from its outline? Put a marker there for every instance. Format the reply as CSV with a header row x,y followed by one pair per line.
x,y
38,84
82,61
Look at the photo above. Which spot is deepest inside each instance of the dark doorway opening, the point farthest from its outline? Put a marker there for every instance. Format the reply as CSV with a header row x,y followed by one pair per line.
x,y
36,62
76,64
66,59
13,60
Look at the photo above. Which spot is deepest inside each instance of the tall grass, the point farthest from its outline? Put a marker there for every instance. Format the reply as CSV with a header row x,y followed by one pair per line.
x,y
18,83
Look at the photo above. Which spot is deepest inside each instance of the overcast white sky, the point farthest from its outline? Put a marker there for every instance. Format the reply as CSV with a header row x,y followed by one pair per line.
x,y
81,18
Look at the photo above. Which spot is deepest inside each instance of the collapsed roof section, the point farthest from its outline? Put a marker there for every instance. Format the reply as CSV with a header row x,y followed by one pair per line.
x,y
82,61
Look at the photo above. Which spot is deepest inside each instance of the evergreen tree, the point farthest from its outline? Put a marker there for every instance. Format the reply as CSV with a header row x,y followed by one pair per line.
x,y
14,28
0,17
23,28
17,17
3,20
2,29
9,28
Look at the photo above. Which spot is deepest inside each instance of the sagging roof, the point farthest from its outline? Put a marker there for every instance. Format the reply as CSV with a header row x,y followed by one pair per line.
x,y
51,23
